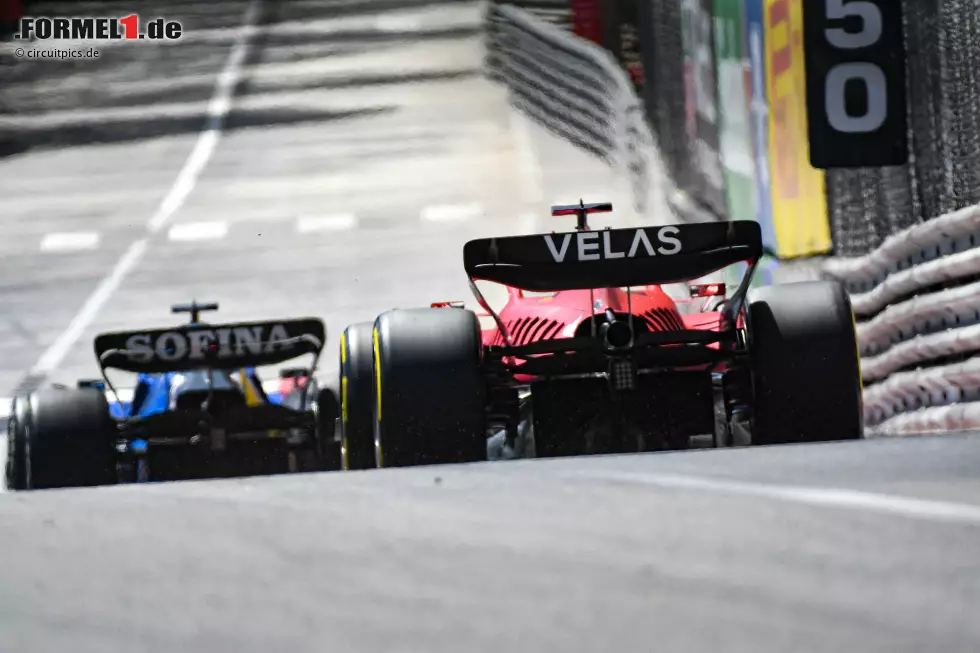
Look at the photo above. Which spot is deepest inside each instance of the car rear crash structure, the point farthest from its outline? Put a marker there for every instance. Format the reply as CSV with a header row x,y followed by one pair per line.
x,y
604,362
211,416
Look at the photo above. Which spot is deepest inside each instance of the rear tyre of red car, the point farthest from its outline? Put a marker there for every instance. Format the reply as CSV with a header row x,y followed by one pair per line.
x,y
357,397
805,366
69,439
431,400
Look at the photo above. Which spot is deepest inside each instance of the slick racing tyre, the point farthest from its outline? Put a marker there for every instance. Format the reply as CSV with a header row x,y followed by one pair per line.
x,y
357,397
431,392
16,469
70,439
804,360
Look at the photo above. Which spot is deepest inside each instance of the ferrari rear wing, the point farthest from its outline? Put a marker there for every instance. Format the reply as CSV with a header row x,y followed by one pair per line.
x,y
613,257
215,346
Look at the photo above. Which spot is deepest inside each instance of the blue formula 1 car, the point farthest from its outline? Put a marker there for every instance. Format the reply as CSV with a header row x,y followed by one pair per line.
x,y
199,409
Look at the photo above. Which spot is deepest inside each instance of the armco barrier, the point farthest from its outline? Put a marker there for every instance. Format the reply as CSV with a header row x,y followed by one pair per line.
x,y
917,302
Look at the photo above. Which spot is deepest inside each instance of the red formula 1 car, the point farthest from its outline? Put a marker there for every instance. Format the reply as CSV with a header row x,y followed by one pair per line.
x,y
591,355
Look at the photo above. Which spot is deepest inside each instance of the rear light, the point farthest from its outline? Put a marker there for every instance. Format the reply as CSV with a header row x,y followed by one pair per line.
x,y
447,305
622,374
708,290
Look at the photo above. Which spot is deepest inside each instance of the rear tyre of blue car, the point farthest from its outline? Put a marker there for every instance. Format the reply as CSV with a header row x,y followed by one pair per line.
x,y
69,438
357,397
804,361
16,468
430,406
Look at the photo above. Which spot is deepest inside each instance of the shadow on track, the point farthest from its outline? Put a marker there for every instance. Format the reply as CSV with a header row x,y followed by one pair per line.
x,y
134,75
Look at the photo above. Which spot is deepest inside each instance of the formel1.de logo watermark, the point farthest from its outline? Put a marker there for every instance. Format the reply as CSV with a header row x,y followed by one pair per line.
x,y
93,28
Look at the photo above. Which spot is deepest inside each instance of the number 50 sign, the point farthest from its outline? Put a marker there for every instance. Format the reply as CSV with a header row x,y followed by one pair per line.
x,y
855,83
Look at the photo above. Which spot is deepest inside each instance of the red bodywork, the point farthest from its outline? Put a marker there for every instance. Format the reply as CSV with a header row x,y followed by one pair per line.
x,y
531,317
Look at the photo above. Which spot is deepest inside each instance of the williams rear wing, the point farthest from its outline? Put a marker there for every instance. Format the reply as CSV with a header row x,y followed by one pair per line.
x,y
613,257
216,346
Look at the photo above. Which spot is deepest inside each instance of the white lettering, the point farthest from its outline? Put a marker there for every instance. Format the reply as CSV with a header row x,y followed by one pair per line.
x,y
666,236
558,255
641,237
224,343
250,339
276,334
194,345
171,346
138,348
582,246
875,85
607,247
199,343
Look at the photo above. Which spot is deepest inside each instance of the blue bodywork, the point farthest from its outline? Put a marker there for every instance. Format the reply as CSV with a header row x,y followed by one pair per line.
x,y
152,395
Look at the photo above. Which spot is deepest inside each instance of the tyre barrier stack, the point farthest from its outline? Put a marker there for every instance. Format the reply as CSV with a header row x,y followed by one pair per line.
x,y
916,297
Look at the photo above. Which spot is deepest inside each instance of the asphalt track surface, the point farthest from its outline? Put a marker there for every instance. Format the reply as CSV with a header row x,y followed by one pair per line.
x,y
369,124
867,546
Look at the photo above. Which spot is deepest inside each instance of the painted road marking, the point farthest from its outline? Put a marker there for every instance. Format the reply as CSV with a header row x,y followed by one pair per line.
x,y
69,241
54,354
191,231
814,496
186,179
313,223
451,212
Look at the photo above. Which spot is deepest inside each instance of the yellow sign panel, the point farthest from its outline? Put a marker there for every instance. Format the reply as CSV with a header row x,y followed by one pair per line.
x,y
798,200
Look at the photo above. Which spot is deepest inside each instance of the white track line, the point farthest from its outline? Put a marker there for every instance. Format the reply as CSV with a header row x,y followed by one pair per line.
x,y
69,241
203,149
815,496
191,231
313,223
451,212
53,356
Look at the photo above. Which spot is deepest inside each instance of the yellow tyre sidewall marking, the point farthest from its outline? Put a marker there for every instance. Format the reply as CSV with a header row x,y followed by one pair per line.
x,y
344,462
377,379
343,377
